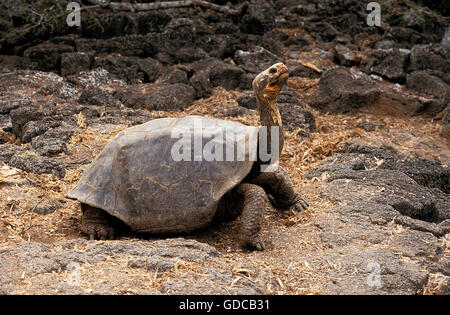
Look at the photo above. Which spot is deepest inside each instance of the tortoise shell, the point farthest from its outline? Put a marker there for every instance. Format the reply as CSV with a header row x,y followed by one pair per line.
x,y
140,178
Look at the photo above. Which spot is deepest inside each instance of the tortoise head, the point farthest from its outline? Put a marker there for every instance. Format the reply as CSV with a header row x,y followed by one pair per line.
x,y
268,84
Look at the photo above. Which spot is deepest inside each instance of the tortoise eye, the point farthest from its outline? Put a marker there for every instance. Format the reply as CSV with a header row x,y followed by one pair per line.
x,y
273,70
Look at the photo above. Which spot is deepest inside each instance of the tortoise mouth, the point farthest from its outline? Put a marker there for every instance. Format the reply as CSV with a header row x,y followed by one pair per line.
x,y
280,79
283,77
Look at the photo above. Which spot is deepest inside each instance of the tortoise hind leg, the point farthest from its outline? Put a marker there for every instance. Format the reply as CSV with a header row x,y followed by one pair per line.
x,y
253,206
280,186
96,223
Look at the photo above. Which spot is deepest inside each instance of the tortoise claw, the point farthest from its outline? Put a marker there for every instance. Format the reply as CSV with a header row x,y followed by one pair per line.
x,y
98,231
301,205
260,246
254,244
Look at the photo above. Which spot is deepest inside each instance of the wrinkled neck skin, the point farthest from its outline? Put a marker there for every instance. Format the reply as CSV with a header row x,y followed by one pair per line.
x,y
270,116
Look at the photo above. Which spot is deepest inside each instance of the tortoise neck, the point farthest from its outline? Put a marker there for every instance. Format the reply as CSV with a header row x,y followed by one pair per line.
x,y
270,116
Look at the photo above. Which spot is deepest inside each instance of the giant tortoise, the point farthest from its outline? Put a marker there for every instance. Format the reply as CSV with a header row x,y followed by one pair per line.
x,y
168,176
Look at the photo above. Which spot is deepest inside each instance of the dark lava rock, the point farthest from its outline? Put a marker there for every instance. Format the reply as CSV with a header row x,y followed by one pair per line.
x,y
152,96
385,44
445,42
221,46
7,106
31,121
296,69
248,100
93,95
152,21
323,31
430,106
59,89
108,25
342,89
190,54
96,77
128,116
7,151
212,72
5,123
406,102
297,117
46,264
38,165
226,75
430,56
256,59
297,42
344,55
74,62
164,58
370,126
150,67
201,83
246,81
258,18
289,96
422,19
353,177
272,45
419,225
380,270
130,69
48,146
179,33
172,75
446,122
45,57
66,112
371,193
424,172
10,63
123,67
21,116
226,28
130,45
390,63
426,82
232,111
153,263
439,5
53,141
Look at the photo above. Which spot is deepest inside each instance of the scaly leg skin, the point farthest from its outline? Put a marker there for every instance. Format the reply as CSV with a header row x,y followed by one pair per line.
x,y
253,206
280,186
96,224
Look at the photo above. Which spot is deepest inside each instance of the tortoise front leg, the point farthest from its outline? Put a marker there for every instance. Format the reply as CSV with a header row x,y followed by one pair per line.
x,y
279,185
252,215
96,224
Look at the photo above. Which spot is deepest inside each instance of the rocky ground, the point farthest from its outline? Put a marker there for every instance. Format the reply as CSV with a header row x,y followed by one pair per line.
x,y
366,114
